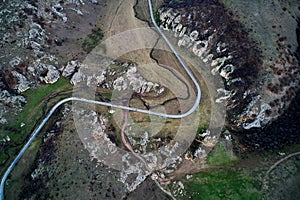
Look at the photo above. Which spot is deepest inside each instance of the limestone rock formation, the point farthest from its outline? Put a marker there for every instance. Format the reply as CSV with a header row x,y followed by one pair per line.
x,y
52,75
23,83
224,45
70,68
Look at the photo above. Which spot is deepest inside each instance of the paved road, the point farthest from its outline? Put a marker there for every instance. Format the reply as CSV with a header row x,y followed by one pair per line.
x,y
36,132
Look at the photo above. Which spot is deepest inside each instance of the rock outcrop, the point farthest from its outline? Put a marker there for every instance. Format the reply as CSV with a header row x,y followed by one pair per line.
x,y
23,83
52,75
16,101
25,40
116,76
253,97
70,68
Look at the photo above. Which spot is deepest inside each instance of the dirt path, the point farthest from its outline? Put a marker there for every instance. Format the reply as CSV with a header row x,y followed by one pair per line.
x,y
125,20
125,139
277,163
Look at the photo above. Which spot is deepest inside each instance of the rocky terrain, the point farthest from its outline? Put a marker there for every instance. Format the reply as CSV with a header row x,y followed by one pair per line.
x,y
26,59
41,58
34,38
44,42
257,90
118,76
63,165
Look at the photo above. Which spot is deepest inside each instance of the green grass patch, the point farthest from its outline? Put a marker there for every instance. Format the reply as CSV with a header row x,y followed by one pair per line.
x,y
16,181
3,157
222,184
220,156
157,17
106,95
92,40
13,136
33,108
201,130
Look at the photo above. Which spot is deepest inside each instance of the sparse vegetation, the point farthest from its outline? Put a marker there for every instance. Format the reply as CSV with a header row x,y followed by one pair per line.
x,y
156,17
106,95
30,114
92,40
17,175
226,2
33,109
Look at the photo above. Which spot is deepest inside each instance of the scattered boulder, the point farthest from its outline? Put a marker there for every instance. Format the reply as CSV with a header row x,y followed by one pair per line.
x,y
120,84
15,61
16,101
77,78
95,80
70,69
52,75
23,83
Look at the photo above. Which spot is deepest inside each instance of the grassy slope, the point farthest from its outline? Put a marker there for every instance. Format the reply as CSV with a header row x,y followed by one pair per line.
x,y
30,115
223,182
35,97
25,163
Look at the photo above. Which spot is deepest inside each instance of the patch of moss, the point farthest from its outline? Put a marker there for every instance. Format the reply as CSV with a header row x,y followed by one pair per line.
x,y
156,17
106,95
220,156
92,40
201,130
226,2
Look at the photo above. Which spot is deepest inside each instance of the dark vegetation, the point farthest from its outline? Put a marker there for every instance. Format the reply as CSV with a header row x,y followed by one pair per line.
x,y
92,40
284,130
38,186
221,23
156,17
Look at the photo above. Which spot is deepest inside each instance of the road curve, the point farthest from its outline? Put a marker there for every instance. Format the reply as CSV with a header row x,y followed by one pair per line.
x,y
35,133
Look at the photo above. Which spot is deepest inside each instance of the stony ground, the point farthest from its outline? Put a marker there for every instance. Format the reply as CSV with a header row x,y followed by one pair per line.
x,y
64,169
55,35
261,76
52,172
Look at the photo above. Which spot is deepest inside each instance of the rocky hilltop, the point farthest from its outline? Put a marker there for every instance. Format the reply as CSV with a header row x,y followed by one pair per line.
x,y
258,89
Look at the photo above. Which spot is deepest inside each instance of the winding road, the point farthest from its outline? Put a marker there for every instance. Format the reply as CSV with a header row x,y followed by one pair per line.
x,y
53,109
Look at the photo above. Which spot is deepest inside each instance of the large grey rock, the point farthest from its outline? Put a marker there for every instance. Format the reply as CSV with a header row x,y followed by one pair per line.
x,y
77,78
15,101
15,61
120,84
95,80
52,75
23,83
70,68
